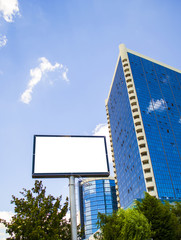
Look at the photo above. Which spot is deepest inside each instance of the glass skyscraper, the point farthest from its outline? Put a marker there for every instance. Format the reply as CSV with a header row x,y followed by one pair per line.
x,y
95,195
144,120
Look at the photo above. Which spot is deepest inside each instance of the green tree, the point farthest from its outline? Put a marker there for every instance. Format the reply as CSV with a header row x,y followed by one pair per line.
x,y
135,226
163,221
124,225
38,216
110,226
176,210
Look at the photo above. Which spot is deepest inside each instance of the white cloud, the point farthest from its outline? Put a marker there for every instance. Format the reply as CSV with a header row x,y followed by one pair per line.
x,y
157,105
3,234
6,216
64,74
3,40
102,130
9,8
67,216
179,121
37,73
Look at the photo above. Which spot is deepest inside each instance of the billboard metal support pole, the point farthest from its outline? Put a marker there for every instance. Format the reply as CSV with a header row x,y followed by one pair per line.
x,y
73,207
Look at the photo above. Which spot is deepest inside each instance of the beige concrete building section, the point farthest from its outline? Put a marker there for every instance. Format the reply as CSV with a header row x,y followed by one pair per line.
x,y
137,119
86,180
113,159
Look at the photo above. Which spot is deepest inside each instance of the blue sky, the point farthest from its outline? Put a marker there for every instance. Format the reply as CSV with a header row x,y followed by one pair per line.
x,y
61,55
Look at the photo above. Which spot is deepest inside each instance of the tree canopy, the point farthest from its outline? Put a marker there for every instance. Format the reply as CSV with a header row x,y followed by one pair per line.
x,y
163,220
125,225
149,219
38,216
176,210
135,226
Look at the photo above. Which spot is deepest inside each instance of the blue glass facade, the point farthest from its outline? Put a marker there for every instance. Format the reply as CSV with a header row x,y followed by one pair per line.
x,y
95,196
130,178
159,94
158,90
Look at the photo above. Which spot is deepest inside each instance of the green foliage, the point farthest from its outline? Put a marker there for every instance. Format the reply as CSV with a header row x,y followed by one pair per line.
x,y
135,226
110,226
125,225
176,210
38,216
149,219
163,221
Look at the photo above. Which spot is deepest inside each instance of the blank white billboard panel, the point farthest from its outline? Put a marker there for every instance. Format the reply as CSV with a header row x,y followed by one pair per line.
x,y
62,156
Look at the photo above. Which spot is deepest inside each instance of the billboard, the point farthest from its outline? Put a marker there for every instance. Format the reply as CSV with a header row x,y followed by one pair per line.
x,y
64,156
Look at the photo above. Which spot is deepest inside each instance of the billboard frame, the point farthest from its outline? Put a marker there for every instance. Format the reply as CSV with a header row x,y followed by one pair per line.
x,y
68,174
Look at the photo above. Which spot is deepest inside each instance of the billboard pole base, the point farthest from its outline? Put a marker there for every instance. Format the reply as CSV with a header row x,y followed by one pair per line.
x,y
73,207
